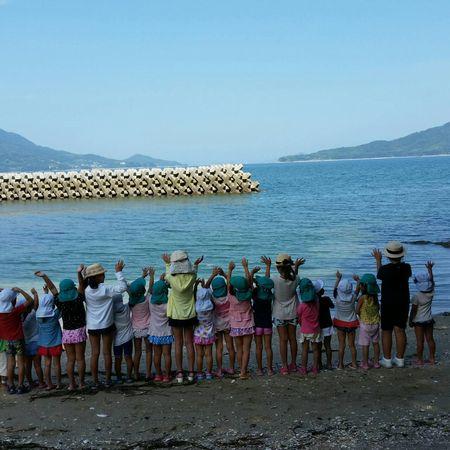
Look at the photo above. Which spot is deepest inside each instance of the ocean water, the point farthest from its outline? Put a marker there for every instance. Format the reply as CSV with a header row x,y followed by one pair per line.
x,y
331,213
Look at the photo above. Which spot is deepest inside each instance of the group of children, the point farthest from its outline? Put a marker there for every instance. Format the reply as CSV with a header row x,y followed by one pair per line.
x,y
225,310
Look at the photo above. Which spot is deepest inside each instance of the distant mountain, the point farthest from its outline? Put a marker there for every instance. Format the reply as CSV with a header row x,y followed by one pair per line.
x,y
18,154
434,141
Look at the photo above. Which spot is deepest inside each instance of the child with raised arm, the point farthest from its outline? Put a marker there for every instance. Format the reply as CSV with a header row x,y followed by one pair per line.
x,y
100,315
368,311
242,325
139,304
285,307
11,332
308,319
346,322
222,323
421,318
160,332
325,322
204,333
394,278
123,339
181,276
50,338
69,300
262,313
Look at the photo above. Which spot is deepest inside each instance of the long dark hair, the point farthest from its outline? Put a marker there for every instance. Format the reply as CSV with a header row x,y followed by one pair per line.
x,y
92,282
286,271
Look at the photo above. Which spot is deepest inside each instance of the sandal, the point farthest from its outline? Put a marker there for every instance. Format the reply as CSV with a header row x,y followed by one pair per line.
x,y
179,377
284,371
208,376
166,379
22,390
12,390
158,378
244,376
191,377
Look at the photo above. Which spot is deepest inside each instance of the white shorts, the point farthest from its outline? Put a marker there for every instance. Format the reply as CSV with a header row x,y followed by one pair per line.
x,y
311,337
327,331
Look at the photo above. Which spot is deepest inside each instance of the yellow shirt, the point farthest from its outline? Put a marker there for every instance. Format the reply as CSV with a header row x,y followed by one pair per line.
x,y
370,311
181,302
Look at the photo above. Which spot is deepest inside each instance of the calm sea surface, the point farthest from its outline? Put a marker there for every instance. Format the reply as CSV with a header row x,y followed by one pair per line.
x,y
331,213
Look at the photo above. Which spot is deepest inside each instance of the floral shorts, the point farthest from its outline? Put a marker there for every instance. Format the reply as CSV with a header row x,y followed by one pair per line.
x,y
311,337
204,340
15,348
236,332
74,336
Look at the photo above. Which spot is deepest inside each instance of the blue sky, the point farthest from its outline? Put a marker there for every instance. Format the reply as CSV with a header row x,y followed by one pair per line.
x,y
209,81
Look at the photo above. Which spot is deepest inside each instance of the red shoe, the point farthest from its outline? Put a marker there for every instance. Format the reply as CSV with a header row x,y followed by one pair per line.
x,y
284,371
315,371
303,371
158,378
292,367
166,379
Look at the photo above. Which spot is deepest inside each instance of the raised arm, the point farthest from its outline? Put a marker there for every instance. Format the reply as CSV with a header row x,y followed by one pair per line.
x,y
429,265
298,262
231,266
376,253
151,279
48,282
122,285
81,283
197,262
216,271
359,305
267,262
338,278
254,271
358,286
29,300
35,298
247,272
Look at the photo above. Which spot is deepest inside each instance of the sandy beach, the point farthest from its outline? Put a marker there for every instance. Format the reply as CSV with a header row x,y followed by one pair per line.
x,y
396,408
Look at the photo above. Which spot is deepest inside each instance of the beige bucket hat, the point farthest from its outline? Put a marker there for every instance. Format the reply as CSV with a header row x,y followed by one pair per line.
x,y
93,270
283,259
179,263
394,249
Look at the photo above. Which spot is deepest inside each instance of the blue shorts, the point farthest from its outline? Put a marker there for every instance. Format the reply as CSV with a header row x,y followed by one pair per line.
x,y
124,349
31,349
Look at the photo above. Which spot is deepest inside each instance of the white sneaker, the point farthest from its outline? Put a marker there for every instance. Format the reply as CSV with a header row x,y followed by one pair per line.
x,y
386,363
399,362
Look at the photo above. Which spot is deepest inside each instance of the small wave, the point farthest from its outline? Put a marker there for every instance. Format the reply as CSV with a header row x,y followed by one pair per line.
x,y
445,244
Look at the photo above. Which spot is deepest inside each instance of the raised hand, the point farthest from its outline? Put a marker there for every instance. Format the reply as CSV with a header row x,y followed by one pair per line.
x,y
151,271
266,260
244,262
376,253
338,275
33,291
198,261
231,265
256,269
216,271
40,274
119,265
299,262
166,258
45,288
429,265
80,268
356,277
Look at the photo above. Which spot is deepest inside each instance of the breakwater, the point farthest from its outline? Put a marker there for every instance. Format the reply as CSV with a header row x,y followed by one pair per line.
x,y
104,183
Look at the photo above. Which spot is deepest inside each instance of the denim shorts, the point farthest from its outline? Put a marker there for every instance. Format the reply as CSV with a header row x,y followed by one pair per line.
x,y
31,349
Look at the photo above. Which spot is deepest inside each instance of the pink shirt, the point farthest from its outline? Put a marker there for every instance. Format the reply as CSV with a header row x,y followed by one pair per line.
x,y
240,313
308,317
221,313
140,315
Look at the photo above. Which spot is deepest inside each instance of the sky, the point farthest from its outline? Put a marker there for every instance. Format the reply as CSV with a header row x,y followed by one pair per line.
x,y
203,81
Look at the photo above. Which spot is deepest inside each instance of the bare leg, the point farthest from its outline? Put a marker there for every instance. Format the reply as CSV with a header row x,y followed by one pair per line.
x,y
38,370
231,350
129,362
386,336
283,335
400,341
148,357
57,366
20,369
329,353
178,335
137,357
419,343
269,352
80,350
376,352
238,344
293,343
95,353
219,351
70,367
158,352
305,349
189,342
107,354
167,351
259,350
118,366
320,353
48,372
246,346
209,358
351,344
316,353
365,354
341,338
431,344
28,368
11,365
199,354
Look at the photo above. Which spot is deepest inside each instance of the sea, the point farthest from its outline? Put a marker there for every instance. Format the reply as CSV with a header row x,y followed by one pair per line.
x,y
332,213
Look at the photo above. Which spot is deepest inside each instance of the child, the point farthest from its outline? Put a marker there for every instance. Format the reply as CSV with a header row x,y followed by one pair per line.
x,y
394,278
368,311
285,305
100,315
222,324
420,317
11,332
70,303
346,321
181,276
262,313
308,318
241,315
140,319
325,322
160,332
50,338
204,333
123,340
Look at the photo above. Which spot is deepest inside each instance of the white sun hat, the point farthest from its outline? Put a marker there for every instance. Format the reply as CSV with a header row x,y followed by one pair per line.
x,y
345,290
394,250
318,285
7,296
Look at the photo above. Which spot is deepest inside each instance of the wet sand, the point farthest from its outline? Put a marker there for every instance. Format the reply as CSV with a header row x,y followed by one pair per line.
x,y
384,408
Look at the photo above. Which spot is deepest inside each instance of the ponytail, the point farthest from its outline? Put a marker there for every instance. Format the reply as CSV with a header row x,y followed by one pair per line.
x,y
92,282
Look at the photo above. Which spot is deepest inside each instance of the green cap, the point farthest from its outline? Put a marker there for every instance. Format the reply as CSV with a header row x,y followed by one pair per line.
x,y
264,286
307,291
136,291
240,285
67,291
160,293
219,287
371,284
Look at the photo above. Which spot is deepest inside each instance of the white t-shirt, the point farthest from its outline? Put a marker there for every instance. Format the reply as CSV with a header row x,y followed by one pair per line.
x,y
99,305
124,329
286,299
423,301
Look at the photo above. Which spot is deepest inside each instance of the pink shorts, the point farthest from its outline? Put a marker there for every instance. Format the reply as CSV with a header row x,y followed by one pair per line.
x,y
74,336
368,334
261,331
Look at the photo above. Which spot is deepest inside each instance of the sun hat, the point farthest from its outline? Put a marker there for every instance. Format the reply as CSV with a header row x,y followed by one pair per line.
x,y
371,284
46,307
219,287
67,290
264,286
307,290
136,291
240,285
394,250
318,285
283,259
160,293
93,270
423,282
118,305
345,290
179,263
7,296
203,301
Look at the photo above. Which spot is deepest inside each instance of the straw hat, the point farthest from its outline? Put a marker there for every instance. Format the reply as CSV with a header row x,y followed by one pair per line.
x,y
395,250
283,259
179,263
93,270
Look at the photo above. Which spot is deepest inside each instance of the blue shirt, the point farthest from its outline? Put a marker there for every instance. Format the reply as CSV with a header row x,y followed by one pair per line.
x,y
50,334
